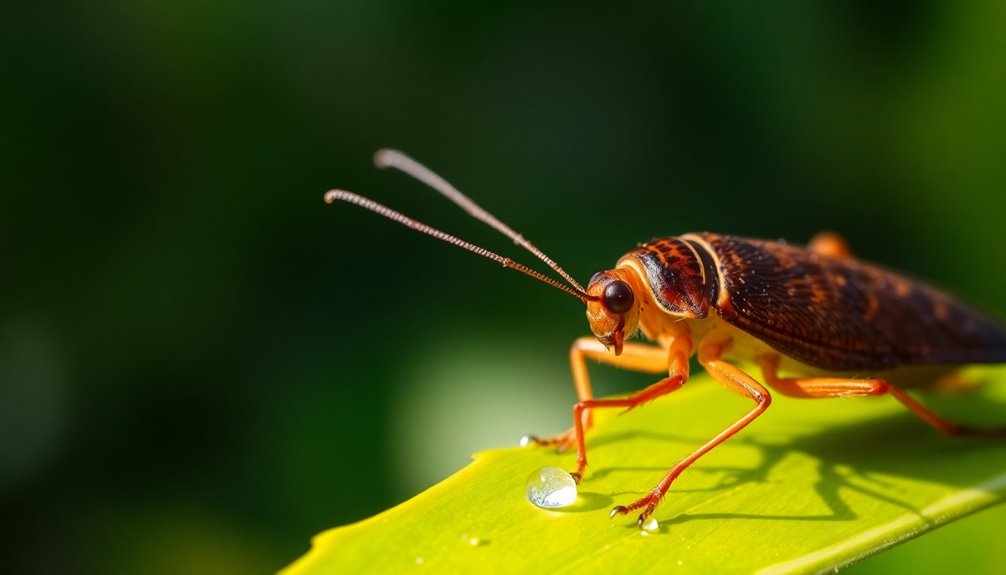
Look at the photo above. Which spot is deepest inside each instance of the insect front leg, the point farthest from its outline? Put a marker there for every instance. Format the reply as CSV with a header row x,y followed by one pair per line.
x,y
711,350
825,387
635,356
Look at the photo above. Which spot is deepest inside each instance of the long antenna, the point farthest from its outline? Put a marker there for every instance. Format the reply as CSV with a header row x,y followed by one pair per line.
x,y
366,203
388,158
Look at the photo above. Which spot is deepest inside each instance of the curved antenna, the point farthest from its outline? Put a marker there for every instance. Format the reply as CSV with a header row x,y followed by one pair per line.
x,y
366,203
388,158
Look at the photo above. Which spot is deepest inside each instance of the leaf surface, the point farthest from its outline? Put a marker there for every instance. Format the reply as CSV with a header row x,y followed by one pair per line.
x,y
811,485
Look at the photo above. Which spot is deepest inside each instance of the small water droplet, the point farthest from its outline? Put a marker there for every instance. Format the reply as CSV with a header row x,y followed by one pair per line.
x,y
550,488
650,525
471,540
419,560
526,440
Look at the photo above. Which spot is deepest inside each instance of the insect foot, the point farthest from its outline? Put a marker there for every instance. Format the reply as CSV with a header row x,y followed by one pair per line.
x,y
562,442
648,504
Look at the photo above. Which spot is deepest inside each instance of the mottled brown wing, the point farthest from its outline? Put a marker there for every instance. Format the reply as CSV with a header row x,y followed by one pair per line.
x,y
842,314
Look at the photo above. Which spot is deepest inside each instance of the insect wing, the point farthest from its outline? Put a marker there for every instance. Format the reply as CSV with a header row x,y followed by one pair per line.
x,y
843,314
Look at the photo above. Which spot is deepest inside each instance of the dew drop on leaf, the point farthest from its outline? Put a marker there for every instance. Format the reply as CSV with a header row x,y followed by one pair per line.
x,y
650,526
471,540
550,488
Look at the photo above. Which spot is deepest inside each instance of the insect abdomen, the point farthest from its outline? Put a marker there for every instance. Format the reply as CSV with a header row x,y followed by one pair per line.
x,y
842,314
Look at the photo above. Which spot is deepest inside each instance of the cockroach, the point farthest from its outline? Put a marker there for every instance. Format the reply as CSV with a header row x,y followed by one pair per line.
x,y
814,311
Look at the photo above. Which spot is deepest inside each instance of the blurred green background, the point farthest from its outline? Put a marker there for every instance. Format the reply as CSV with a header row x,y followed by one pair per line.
x,y
202,365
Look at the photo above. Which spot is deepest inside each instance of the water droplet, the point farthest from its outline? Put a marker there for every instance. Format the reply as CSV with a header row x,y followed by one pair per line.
x,y
419,560
526,440
471,540
550,488
650,525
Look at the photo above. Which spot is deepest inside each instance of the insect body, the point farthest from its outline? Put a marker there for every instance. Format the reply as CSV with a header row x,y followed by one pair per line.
x,y
816,311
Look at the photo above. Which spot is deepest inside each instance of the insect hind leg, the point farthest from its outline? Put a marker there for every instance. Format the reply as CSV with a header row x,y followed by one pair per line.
x,y
826,387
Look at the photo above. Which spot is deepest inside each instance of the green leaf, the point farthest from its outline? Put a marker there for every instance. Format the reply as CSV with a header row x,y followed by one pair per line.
x,y
811,485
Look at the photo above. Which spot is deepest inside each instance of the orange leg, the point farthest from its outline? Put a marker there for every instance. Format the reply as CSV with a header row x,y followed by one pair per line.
x,y
710,351
635,356
638,357
830,244
824,387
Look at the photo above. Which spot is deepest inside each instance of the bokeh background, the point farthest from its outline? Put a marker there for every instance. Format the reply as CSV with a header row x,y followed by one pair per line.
x,y
202,365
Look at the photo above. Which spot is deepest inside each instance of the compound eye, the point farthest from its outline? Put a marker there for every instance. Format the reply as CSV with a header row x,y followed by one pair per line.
x,y
618,297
